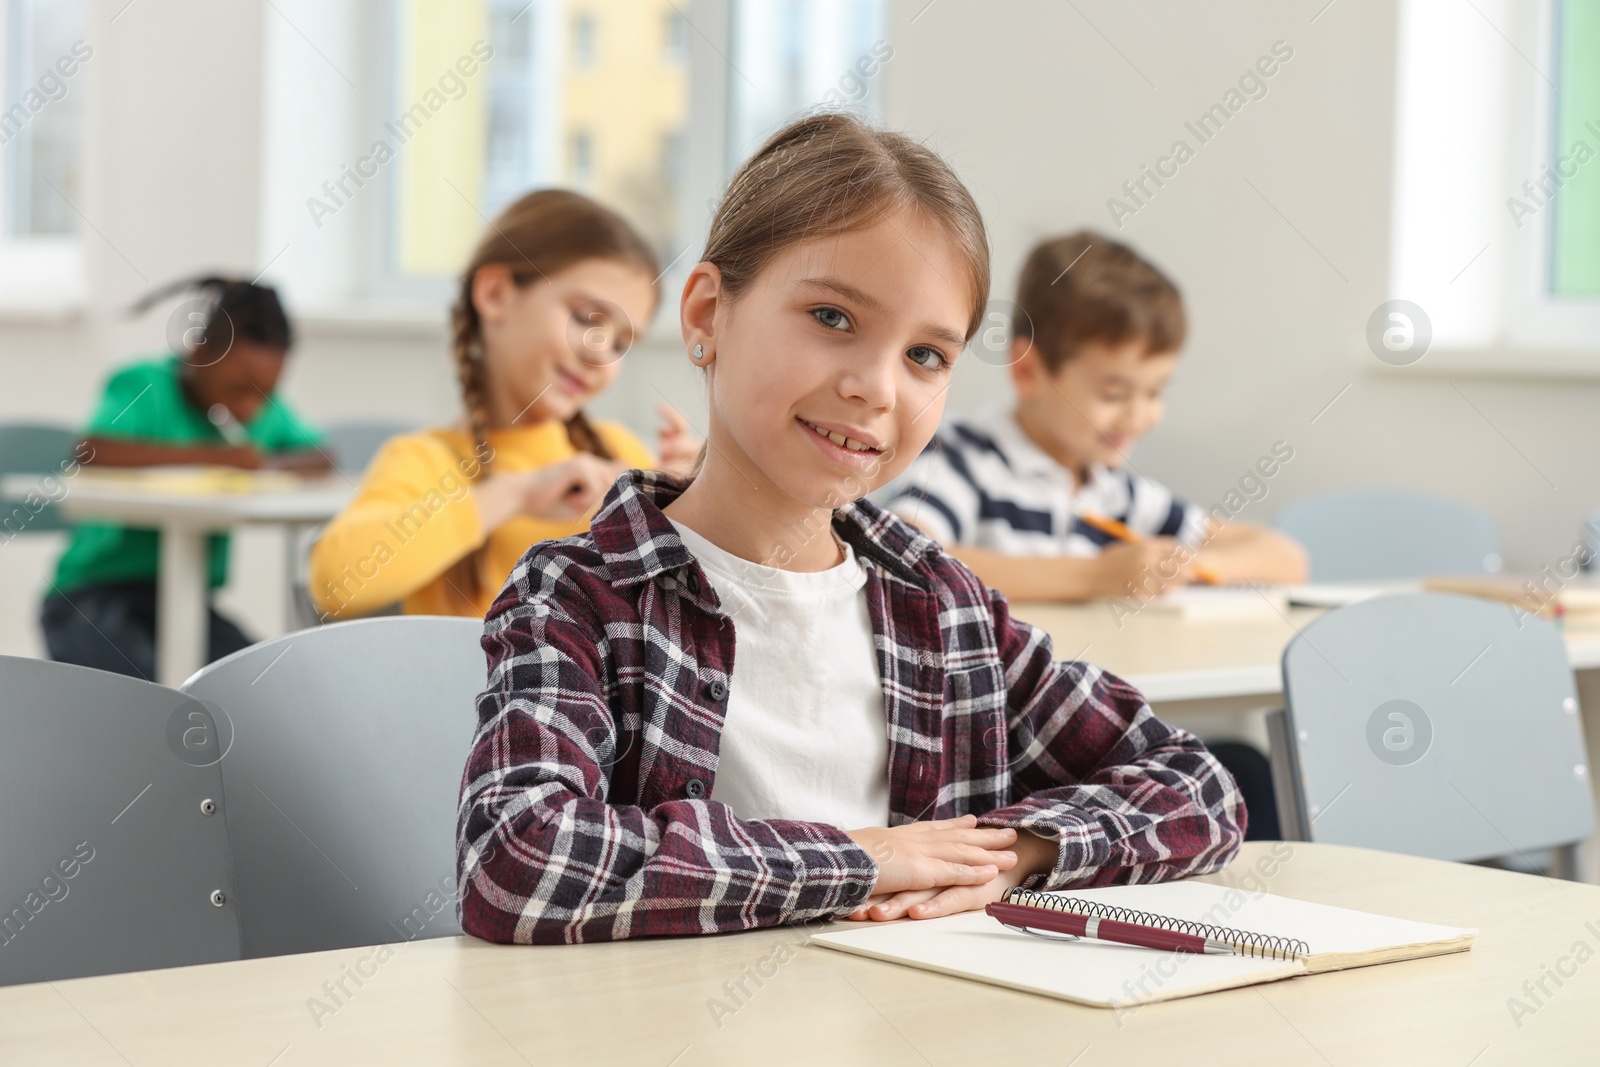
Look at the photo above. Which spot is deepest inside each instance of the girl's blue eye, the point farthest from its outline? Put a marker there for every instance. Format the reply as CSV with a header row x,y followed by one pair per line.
x,y
933,359
832,318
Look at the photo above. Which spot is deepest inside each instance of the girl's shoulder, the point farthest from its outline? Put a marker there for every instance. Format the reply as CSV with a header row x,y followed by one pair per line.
x,y
431,451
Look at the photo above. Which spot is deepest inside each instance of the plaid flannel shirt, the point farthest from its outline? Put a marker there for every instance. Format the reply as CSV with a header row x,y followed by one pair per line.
x,y
585,810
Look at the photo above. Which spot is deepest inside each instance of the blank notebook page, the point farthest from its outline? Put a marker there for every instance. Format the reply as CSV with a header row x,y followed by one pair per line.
x,y
973,945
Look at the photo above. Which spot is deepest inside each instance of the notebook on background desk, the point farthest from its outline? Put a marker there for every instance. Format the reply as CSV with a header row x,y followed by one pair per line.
x,y
1103,974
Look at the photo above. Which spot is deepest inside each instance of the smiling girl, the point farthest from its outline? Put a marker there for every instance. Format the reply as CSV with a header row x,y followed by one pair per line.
x,y
553,297
679,736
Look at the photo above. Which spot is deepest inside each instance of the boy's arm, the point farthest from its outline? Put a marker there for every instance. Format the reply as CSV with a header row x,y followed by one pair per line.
x,y
119,452
1126,797
1055,578
545,857
1150,566
1244,552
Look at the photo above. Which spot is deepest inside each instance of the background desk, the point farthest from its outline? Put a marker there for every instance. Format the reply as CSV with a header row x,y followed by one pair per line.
x,y
1219,676
185,519
1172,659
646,1003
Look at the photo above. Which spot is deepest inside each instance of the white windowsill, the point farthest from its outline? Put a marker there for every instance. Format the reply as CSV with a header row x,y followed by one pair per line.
x,y
1496,362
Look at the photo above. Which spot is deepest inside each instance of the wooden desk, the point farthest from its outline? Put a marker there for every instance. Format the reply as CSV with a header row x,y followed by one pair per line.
x,y
185,519
1171,659
458,1000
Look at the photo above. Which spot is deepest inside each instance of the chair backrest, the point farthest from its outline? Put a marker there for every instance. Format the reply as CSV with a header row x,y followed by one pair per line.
x,y
32,448
1434,725
344,772
353,444
1383,534
113,845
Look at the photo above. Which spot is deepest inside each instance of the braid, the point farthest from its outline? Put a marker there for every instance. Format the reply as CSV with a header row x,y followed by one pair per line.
x,y
585,438
466,345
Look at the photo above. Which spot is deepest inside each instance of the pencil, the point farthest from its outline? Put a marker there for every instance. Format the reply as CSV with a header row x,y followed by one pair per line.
x,y
1121,532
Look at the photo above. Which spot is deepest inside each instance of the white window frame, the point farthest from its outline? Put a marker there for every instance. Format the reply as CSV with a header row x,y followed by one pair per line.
x,y
41,278
1473,121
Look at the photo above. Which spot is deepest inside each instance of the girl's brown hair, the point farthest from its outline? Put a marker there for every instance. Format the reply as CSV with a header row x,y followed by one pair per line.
x,y
829,173
536,236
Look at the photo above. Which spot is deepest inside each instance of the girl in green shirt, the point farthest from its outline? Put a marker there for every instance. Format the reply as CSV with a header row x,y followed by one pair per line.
x,y
213,405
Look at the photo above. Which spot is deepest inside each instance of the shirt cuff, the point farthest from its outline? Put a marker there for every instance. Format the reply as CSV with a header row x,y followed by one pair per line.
x,y
835,874
1081,850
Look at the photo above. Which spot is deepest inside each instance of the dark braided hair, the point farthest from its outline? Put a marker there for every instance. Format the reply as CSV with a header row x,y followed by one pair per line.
x,y
539,234
238,308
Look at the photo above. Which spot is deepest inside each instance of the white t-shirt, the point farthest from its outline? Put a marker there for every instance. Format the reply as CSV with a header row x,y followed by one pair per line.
x,y
805,736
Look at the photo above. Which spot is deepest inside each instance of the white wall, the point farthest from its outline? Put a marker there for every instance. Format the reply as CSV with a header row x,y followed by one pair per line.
x,y
1045,119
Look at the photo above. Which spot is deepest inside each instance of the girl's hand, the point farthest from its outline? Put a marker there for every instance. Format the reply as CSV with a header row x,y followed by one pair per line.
x,y
678,444
1035,855
936,854
566,490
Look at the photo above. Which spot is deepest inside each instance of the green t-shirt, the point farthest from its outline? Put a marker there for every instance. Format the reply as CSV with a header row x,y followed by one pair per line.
x,y
144,402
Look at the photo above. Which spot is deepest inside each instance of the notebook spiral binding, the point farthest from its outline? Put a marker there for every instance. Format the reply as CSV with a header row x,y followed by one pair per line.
x,y
1263,946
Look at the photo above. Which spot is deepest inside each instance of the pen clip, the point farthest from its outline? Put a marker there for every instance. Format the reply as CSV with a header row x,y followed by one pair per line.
x,y
1048,935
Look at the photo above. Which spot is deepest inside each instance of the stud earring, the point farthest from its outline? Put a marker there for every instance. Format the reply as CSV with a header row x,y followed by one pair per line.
x,y
699,353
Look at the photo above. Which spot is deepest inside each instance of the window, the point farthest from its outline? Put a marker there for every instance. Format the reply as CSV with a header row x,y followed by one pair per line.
x,y
583,41
40,127
677,37
789,55
42,53
564,93
582,165
1575,208
1496,217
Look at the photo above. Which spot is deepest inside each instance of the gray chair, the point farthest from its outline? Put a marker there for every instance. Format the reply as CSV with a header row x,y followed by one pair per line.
x,y
1386,534
1434,725
32,448
113,842
353,444
344,773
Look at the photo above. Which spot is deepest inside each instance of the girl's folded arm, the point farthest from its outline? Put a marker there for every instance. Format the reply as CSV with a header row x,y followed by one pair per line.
x,y
546,857
1129,798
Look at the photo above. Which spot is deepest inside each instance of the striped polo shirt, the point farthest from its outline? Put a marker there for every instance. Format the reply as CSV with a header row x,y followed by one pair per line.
x,y
983,482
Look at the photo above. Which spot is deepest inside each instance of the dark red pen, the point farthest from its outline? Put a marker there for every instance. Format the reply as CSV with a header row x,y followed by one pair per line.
x,y
1066,922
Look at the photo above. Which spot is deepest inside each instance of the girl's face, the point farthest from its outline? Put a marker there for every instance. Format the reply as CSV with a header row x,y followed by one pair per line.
x,y
241,379
828,374
552,345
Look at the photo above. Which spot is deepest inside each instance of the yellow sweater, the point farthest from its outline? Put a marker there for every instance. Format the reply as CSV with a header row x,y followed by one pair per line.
x,y
415,517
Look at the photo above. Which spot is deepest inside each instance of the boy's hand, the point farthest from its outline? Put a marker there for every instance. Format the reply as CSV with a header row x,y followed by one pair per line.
x,y
303,461
935,854
1147,565
245,457
1035,855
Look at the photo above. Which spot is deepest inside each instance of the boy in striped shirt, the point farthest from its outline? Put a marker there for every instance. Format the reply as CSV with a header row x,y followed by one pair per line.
x,y
1095,340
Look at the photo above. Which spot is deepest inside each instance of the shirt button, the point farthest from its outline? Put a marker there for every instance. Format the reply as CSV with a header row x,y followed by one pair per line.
x,y
695,789
718,689
694,584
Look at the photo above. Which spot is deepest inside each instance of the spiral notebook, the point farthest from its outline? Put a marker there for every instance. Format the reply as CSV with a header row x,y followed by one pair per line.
x,y
1278,938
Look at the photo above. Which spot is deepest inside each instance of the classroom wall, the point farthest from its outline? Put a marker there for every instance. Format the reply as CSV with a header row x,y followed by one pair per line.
x,y
1277,230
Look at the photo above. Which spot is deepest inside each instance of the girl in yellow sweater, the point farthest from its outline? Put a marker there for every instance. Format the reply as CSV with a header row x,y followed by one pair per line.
x,y
551,300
